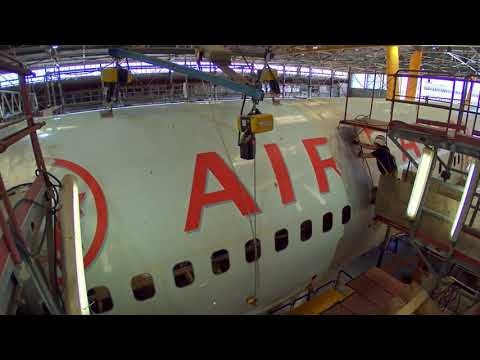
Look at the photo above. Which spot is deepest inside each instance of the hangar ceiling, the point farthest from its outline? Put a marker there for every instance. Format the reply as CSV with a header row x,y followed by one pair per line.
x,y
360,58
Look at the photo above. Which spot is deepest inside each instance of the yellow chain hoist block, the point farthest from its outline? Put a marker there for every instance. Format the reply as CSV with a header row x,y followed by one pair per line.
x,y
258,123
110,75
268,75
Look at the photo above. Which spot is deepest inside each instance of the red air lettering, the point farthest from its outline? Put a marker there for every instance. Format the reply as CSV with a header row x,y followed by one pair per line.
x,y
406,145
281,173
368,132
318,164
233,189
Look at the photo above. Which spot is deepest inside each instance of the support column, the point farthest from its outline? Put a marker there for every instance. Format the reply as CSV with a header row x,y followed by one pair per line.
x,y
415,63
468,99
349,80
170,74
373,94
392,68
60,90
185,84
309,92
47,86
462,104
469,94
185,88
52,84
331,83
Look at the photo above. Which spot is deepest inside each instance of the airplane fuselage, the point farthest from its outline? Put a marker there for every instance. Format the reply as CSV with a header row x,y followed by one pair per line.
x,y
164,192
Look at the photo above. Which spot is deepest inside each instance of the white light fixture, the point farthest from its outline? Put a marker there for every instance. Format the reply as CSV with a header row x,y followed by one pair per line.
x,y
54,46
466,200
76,297
420,183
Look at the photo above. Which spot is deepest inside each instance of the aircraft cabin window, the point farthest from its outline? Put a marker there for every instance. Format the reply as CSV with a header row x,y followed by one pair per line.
x,y
183,273
100,299
306,230
252,248
220,262
346,213
281,239
142,287
327,222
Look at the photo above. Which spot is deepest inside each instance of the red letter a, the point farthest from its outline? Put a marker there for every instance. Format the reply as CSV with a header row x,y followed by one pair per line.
x,y
233,189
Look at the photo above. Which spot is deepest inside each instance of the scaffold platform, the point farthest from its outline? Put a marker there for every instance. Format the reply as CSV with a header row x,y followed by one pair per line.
x,y
431,136
457,134
376,125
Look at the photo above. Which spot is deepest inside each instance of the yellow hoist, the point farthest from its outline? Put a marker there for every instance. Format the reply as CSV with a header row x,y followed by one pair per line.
x,y
113,78
249,125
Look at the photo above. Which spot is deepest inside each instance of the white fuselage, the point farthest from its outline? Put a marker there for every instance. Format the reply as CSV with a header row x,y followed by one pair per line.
x,y
144,160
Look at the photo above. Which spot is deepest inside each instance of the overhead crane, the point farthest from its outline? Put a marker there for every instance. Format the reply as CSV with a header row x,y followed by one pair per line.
x,y
248,125
255,92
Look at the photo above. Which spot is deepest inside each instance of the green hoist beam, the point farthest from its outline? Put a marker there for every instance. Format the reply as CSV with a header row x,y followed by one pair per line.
x,y
253,92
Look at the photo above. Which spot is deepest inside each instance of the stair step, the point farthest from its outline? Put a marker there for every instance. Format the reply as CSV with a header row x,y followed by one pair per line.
x,y
370,290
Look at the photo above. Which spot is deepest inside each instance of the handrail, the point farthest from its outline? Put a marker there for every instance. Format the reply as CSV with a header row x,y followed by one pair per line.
x,y
76,299
451,75
314,291
458,102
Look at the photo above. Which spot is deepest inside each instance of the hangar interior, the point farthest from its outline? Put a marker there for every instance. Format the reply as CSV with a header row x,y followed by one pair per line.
x,y
104,148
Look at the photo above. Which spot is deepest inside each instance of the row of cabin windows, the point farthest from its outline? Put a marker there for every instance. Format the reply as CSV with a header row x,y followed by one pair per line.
x,y
143,287
101,300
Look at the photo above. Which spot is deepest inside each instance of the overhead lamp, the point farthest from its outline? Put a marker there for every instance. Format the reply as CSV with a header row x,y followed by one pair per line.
x,y
420,183
465,201
54,46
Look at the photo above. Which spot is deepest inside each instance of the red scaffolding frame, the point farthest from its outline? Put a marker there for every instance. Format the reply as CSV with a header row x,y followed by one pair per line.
x,y
16,216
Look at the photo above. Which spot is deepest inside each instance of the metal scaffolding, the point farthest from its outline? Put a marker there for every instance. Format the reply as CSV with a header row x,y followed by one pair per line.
x,y
18,222
454,130
11,104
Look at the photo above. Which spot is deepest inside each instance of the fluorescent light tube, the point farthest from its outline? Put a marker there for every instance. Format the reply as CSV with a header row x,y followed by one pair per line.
x,y
420,183
466,200
76,297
